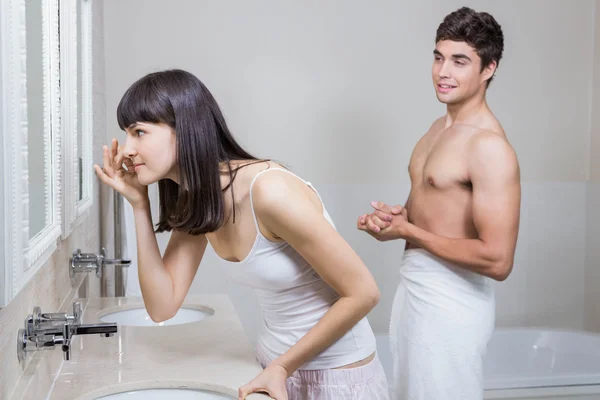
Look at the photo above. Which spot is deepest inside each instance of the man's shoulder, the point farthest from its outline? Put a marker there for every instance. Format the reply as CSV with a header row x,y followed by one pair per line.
x,y
483,129
491,146
489,124
482,139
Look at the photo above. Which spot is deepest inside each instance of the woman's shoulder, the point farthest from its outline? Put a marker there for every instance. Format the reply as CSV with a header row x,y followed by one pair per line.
x,y
276,180
252,175
280,188
269,172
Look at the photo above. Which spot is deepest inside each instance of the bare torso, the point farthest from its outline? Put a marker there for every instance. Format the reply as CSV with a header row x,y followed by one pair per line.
x,y
440,199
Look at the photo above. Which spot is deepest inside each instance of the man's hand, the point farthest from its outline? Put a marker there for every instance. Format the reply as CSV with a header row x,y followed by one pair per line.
x,y
386,222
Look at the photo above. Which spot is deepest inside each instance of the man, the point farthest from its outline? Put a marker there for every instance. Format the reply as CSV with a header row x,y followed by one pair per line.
x,y
460,222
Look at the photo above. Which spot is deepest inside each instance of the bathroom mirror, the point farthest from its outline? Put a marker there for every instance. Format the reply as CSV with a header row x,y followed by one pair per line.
x,y
38,120
76,78
31,139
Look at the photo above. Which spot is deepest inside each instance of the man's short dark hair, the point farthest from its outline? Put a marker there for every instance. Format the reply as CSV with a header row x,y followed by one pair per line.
x,y
478,29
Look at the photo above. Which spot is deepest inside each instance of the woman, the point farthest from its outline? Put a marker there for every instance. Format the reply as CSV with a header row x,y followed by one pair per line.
x,y
269,225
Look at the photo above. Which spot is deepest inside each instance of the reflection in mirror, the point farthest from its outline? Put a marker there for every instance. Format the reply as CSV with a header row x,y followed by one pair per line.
x,y
84,59
76,86
37,117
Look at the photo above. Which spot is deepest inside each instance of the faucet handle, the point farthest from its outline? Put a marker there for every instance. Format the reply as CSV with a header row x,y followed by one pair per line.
x,y
32,322
81,262
76,312
35,322
85,262
38,320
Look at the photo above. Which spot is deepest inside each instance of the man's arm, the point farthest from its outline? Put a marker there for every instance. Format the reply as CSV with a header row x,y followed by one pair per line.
x,y
495,176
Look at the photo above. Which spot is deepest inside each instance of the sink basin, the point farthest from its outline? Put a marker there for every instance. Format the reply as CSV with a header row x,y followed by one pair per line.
x,y
140,317
171,394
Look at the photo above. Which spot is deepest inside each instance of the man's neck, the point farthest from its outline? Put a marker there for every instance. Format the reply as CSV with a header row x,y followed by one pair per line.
x,y
466,111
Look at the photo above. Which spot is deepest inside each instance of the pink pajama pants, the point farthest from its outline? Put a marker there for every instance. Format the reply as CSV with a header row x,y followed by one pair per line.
x,y
367,382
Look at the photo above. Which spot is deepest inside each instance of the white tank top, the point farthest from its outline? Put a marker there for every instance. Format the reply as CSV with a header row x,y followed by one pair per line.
x,y
293,298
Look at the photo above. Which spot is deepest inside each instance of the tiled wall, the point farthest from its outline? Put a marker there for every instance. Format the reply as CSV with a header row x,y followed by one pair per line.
x,y
51,286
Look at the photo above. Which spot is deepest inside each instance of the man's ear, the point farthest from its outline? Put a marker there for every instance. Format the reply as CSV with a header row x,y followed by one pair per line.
x,y
489,71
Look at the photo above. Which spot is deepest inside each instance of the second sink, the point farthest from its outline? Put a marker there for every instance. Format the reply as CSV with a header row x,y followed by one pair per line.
x,y
179,394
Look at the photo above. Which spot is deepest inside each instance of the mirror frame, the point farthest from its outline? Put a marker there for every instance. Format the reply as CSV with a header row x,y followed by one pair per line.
x,y
76,210
24,257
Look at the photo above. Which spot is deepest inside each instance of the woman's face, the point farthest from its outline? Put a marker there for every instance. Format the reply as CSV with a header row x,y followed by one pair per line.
x,y
151,147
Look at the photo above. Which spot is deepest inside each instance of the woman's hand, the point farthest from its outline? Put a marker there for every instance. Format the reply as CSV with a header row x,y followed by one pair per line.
x,y
123,180
271,381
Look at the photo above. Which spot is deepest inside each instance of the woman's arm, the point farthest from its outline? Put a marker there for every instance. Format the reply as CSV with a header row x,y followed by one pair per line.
x,y
166,280
285,209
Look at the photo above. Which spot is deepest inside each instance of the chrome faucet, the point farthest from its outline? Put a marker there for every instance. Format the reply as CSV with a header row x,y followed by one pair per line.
x,y
85,262
46,330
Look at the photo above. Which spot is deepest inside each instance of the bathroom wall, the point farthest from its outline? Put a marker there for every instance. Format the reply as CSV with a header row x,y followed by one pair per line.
x,y
51,288
592,271
341,92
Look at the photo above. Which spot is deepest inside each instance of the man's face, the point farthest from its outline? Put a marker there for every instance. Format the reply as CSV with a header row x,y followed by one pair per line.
x,y
456,72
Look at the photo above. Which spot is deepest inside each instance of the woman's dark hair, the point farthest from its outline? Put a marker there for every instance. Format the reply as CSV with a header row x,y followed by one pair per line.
x,y
180,100
478,29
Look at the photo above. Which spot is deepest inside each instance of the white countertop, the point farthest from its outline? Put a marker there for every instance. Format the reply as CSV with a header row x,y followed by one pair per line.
x,y
211,354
